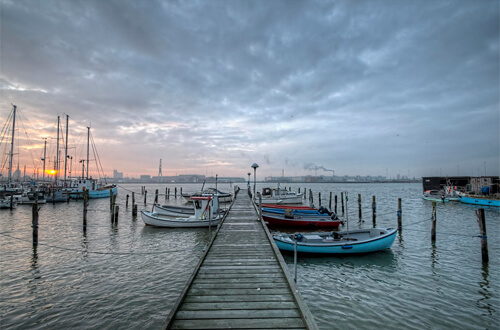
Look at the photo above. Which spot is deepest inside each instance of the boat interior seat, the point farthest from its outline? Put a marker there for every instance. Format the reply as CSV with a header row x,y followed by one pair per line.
x,y
374,232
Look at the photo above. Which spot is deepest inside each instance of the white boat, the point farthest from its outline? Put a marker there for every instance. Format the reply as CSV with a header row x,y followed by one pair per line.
x,y
344,242
280,196
177,211
435,195
222,196
29,198
5,203
205,214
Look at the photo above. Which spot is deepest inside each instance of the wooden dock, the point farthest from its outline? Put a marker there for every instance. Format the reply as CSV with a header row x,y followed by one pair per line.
x,y
241,281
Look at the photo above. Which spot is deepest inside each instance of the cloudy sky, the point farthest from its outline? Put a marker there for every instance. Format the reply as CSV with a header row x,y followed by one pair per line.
x,y
299,87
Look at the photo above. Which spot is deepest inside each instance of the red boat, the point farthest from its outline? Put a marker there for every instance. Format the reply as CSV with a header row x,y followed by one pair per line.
x,y
293,207
300,220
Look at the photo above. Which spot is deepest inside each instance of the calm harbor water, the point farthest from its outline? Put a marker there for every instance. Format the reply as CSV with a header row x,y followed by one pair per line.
x,y
128,276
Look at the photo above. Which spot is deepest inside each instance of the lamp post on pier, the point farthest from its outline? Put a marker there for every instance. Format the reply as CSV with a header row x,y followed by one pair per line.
x,y
254,166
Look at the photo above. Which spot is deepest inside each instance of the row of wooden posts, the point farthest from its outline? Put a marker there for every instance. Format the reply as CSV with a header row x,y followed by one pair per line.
x,y
115,211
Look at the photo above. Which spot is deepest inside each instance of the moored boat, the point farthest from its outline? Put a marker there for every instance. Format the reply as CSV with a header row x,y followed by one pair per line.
x,y
285,206
223,197
5,203
298,220
205,214
345,242
484,200
280,196
435,196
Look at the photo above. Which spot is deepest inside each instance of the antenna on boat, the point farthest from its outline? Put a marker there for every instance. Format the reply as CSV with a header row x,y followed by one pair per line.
x,y
347,213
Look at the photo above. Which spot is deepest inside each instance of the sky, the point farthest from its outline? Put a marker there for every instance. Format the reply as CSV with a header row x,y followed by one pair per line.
x,y
298,87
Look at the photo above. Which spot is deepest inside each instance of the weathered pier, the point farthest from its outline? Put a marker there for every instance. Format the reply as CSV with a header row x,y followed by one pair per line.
x,y
241,281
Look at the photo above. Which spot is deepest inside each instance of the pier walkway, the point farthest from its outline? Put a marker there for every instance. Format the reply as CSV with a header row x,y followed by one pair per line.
x,y
241,282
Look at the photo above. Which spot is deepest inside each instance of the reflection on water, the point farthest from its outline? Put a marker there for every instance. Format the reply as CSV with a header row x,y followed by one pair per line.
x,y
129,275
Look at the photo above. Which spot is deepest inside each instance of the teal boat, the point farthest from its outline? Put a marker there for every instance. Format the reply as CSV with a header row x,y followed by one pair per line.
x,y
343,242
486,200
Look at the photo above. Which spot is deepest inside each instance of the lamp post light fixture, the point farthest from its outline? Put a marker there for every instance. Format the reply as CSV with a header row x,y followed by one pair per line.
x,y
254,166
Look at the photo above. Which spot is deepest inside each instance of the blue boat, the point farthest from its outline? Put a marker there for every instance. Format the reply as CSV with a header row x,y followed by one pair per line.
x,y
344,242
479,200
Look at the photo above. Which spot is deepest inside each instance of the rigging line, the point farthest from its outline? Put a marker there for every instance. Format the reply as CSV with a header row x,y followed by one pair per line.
x,y
98,252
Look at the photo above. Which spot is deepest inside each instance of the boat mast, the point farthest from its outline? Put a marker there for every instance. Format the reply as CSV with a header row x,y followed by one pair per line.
x,y
12,143
44,157
56,165
88,140
66,149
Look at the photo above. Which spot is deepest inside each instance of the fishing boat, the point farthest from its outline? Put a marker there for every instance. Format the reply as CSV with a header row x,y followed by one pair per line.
x,y
205,215
321,211
484,200
224,197
5,203
301,220
29,198
280,196
435,196
286,206
344,242
95,188
177,211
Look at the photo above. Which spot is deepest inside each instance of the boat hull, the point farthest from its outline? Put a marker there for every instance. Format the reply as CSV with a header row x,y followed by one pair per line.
x,y
476,200
175,211
157,220
282,200
100,193
378,243
299,221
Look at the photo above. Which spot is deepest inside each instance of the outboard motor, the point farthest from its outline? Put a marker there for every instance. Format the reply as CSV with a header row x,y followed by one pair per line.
x,y
323,210
334,216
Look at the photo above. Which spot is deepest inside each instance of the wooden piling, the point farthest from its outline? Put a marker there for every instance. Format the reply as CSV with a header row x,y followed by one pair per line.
x,y
156,197
335,210
311,197
133,199
482,232
319,199
111,199
181,192
374,211
85,205
115,214
359,207
34,221
145,196
166,192
175,192
12,201
126,202
342,201
305,193
330,201
134,210
400,215
433,223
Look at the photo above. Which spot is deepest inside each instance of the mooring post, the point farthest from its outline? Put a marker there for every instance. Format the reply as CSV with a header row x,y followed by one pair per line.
x,y
319,198
295,257
111,199
260,207
305,193
11,201
330,201
298,192
482,232
342,201
115,214
166,192
433,223
134,210
133,200
145,196
374,211
85,205
34,220
126,202
311,197
335,210
359,207
156,196
181,192
175,192
400,218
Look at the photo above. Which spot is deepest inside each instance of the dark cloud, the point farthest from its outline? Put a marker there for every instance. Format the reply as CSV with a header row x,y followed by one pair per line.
x,y
368,86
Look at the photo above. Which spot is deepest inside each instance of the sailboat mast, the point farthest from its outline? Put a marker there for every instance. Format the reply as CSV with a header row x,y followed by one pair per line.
x,y
44,157
56,165
66,149
88,144
12,143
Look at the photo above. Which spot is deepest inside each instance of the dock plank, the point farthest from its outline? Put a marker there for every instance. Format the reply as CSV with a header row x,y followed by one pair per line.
x,y
241,282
